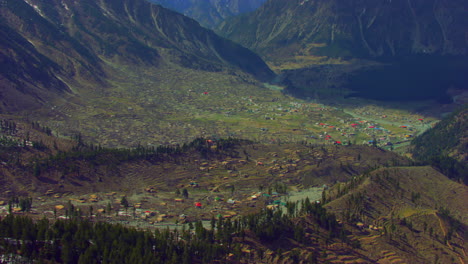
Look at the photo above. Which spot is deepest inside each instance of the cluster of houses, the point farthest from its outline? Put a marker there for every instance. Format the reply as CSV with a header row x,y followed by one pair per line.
x,y
349,130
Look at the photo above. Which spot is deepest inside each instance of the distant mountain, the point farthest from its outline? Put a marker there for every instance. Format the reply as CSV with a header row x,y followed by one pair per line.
x,y
210,12
49,49
286,28
420,48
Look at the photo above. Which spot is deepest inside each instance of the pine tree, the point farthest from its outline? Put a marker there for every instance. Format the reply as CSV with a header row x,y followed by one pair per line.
x,y
185,193
124,202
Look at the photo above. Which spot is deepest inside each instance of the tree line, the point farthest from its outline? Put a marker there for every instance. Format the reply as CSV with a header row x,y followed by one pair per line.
x,y
81,240
97,155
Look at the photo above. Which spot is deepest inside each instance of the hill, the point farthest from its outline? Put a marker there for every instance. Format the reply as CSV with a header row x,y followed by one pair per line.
x,y
399,212
211,12
445,145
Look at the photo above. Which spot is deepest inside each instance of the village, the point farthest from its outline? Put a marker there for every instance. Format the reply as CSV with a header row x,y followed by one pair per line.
x,y
157,211
151,207
207,189
172,195
370,124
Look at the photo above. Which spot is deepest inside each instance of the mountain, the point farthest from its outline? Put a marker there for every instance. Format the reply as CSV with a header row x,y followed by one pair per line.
x,y
36,57
210,12
383,50
287,28
52,49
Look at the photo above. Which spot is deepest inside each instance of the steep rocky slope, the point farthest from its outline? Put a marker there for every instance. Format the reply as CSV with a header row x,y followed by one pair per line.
x,y
445,145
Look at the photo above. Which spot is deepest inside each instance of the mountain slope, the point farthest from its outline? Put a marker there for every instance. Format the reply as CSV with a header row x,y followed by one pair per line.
x,y
400,212
55,46
445,145
32,72
286,28
210,12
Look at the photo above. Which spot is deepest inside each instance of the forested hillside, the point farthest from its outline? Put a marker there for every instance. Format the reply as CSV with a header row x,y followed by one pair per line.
x,y
445,145
84,241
